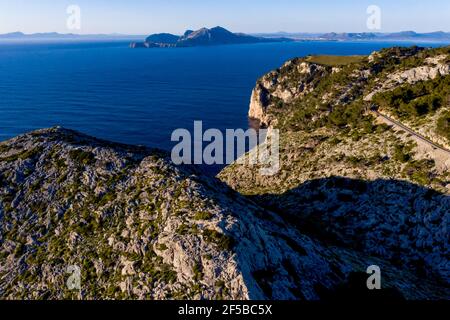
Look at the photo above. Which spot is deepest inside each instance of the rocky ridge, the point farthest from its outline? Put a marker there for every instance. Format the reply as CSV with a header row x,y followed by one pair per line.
x,y
139,227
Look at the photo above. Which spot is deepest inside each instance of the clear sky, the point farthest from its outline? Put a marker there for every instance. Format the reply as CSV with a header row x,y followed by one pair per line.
x,y
150,16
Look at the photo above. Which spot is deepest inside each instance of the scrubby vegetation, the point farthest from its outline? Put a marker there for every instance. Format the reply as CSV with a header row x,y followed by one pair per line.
x,y
443,125
24,155
417,100
82,157
222,241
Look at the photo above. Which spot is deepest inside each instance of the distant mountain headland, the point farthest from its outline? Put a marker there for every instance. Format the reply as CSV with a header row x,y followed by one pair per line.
x,y
404,35
365,36
202,37
55,36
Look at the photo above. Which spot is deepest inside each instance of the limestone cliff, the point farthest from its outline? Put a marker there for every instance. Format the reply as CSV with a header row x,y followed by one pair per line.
x,y
295,79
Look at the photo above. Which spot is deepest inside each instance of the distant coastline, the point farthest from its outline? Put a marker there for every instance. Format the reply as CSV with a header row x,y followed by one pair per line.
x,y
54,36
219,35
365,36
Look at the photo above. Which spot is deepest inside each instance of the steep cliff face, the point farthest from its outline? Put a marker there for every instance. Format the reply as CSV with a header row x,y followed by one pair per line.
x,y
295,79
348,176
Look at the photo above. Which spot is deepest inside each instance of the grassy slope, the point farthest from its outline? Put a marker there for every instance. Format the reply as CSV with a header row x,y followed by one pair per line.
x,y
335,61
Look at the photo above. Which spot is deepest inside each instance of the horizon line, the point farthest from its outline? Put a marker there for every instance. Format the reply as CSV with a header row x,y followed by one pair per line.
x,y
259,32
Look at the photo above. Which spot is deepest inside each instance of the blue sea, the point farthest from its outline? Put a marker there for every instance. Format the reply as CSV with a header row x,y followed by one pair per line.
x,y
139,96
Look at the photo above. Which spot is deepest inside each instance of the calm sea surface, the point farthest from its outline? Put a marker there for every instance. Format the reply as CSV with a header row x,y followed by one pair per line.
x,y
139,96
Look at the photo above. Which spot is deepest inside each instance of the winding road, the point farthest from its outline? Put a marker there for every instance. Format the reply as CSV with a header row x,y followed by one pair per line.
x,y
405,128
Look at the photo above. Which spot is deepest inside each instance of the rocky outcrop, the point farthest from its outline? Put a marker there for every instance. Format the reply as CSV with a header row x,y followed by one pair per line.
x,y
259,103
434,67
422,73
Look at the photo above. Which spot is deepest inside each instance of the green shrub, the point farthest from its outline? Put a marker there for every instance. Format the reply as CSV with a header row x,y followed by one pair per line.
x,y
182,230
166,274
443,125
351,115
162,247
82,157
420,171
203,215
411,101
198,272
222,241
402,153
4,148
107,198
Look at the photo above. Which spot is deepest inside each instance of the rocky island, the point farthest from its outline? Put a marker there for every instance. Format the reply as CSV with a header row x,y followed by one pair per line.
x,y
354,190
201,37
